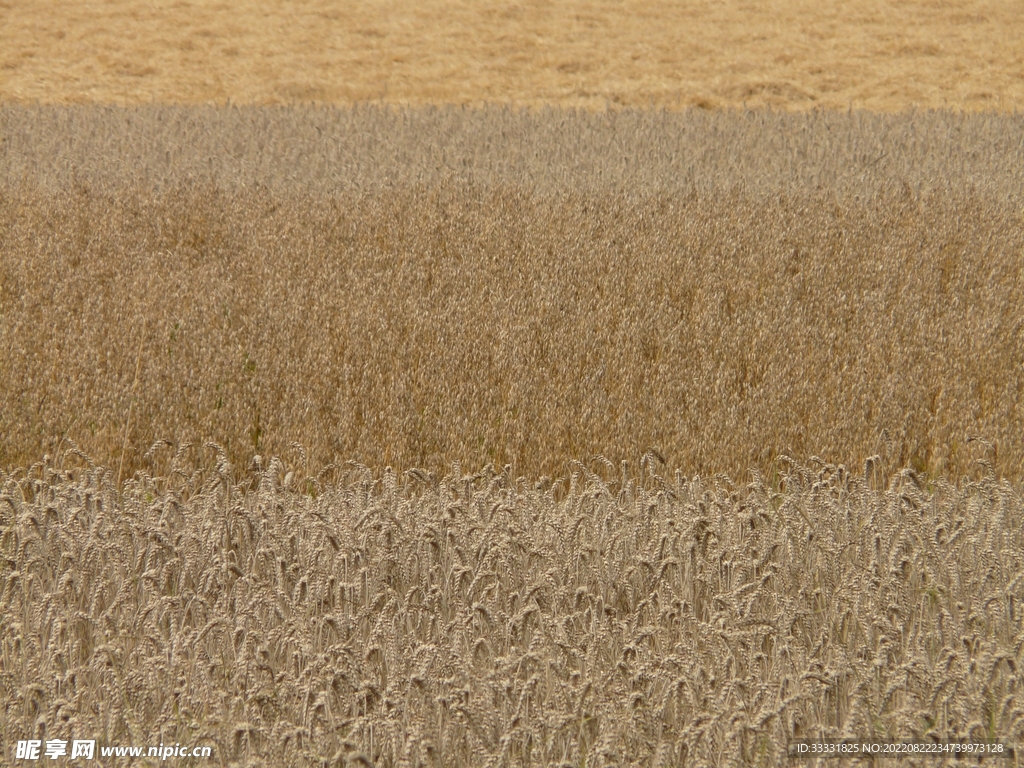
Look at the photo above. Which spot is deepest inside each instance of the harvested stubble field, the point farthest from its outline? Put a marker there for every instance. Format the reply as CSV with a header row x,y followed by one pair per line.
x,y
791,54
422,287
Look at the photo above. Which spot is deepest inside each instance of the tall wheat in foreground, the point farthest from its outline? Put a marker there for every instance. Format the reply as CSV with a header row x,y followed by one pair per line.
x,y
607,618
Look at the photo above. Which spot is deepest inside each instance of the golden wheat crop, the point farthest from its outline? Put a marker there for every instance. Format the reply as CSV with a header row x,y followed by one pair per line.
x,y
320,291
619,616
417,287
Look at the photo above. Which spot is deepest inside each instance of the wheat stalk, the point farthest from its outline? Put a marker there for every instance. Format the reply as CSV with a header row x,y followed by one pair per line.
x,y
131,403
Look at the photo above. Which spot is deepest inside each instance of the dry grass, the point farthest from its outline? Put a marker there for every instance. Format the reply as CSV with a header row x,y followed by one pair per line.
x,y
795,54
721,288
612,618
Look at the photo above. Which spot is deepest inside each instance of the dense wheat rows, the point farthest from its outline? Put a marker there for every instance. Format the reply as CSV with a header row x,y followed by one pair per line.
x,y
322,151
616,618
418,287
446,288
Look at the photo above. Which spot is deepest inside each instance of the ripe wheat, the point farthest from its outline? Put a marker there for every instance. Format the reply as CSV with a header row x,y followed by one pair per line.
x,y
441,288
415,287
485,619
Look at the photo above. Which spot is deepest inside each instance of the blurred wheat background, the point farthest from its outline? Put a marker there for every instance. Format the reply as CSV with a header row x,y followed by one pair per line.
x,y
511,384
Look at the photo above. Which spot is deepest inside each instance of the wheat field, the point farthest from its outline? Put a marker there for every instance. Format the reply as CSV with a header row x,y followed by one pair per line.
x,y
250,350
400,288
615,617
511,384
